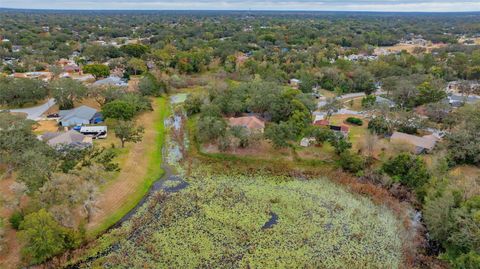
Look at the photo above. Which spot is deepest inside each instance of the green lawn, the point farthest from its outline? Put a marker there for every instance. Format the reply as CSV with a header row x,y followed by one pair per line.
x,y
154,171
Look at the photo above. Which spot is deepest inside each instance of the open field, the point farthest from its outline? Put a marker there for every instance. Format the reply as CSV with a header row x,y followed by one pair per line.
x,y
235,221
410,47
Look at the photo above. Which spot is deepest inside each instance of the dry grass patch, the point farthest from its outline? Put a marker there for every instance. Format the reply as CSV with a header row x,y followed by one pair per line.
x,y
45,126
10,256
122,193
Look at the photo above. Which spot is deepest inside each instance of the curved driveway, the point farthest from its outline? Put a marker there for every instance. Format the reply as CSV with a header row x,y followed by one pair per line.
x,y
35,113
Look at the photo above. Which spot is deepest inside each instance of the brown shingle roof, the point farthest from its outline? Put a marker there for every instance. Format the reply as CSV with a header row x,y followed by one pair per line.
x,y
250,122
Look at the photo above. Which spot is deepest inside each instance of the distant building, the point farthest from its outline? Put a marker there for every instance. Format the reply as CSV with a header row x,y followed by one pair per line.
x,y
78,116
423,144
42,75
252,123
456,100
111,81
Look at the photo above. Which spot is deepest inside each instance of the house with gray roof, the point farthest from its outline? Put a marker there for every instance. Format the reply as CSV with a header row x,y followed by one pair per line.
x,y
420,144
456,100
78,116
110,81
70,139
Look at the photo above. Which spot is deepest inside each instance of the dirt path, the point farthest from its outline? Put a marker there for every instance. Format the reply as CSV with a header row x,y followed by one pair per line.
x,y
131,178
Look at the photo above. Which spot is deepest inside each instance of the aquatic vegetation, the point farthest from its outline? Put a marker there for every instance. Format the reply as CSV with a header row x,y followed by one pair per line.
x,y
218,221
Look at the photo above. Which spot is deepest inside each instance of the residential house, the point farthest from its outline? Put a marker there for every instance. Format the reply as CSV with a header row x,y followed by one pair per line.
x,y
252,123
43,75
110,81
78,116
456,100
70,139
423,144
340,129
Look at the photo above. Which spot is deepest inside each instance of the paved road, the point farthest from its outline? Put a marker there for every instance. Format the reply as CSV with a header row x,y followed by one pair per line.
x,y
35,113
323,101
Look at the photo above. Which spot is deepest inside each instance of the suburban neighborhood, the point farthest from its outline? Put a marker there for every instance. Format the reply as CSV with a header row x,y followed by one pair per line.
x,y
239,139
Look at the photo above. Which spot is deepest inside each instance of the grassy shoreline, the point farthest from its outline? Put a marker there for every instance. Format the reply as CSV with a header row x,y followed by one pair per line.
x,y
154,171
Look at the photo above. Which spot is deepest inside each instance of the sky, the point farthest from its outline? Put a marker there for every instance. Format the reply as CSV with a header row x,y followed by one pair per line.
x,y
313,5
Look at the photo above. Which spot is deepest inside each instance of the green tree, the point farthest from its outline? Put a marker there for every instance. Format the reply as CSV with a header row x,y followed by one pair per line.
x,y
463,142
67,91
21,151
150,86
380,125
134,50
407,169
210,128
363,81
331,106
340,144
119,109
193,104
430,92
97,70
321,135
21,91
280,134
137,65
43,237
127,131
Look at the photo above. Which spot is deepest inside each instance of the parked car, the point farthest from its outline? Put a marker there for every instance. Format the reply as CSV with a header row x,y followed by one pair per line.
x,y
53,115
77,127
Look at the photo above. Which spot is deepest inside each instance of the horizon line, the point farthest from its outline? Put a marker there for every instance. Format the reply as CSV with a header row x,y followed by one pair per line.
x,y
238,10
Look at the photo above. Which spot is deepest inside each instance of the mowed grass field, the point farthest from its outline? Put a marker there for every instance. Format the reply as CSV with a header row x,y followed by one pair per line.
x,y
218,222
140,167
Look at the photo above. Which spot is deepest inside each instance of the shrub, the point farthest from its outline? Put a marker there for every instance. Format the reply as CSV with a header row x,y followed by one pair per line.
x,y
340,144
380,125
368,101
150,86
16,219
355,121
351,162
407,169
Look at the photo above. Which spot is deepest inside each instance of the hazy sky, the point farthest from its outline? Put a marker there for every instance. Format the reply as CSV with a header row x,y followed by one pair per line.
x,y
343,5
